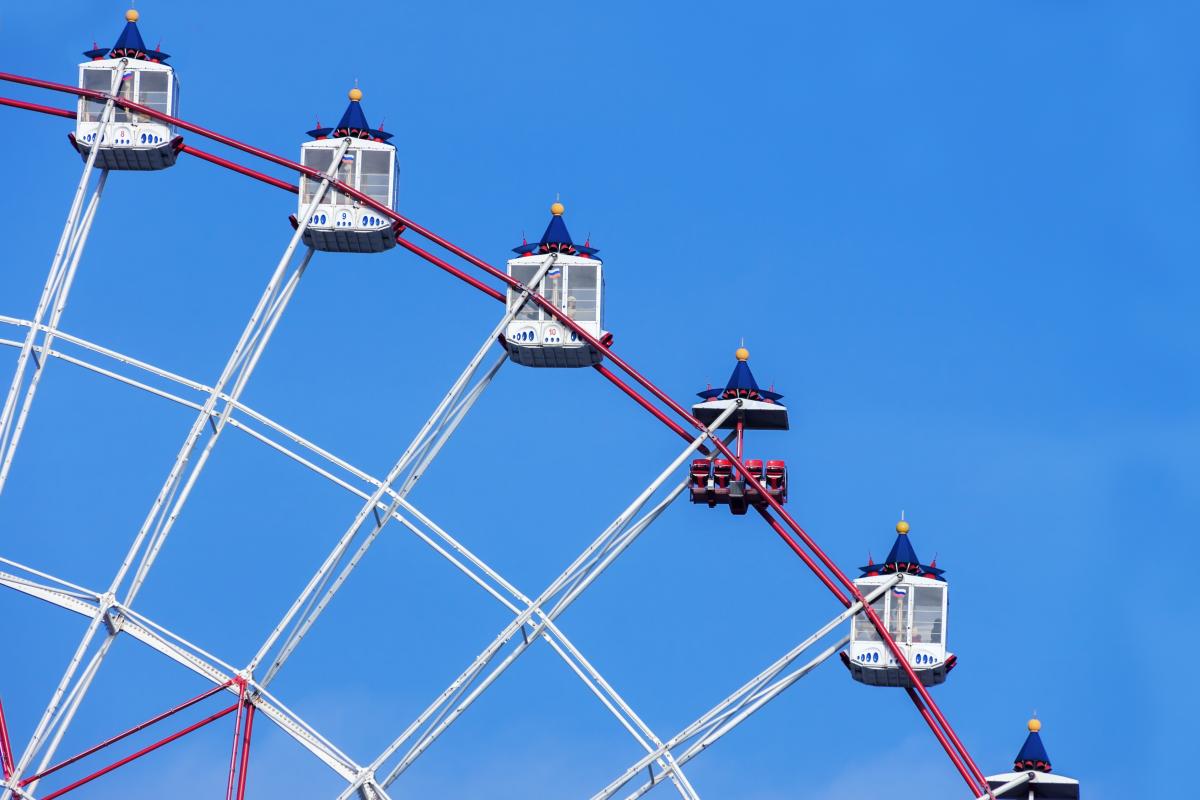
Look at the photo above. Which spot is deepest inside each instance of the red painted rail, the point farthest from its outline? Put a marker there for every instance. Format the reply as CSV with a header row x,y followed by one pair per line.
x,y
929,709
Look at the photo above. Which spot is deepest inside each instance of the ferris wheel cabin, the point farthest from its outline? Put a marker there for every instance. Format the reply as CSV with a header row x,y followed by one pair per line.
x,y
716,482
1033,761
341,223
574,283
130,140
914,611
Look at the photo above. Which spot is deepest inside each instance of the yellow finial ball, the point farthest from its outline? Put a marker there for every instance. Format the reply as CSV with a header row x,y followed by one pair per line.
x,y
1035,725
901,527
131,15
557,209
741,354
356,94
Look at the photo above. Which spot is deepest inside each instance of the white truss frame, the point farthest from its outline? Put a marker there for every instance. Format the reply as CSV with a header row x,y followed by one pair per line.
x,y
56,289
385,503
175,491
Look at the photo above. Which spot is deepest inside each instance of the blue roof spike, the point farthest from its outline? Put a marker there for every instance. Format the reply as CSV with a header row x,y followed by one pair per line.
x,y
741,383
129,44
556,239
1033,753
353,123
903,558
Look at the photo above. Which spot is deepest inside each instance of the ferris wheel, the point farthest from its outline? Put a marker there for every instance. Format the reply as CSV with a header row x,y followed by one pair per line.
x,y
891,626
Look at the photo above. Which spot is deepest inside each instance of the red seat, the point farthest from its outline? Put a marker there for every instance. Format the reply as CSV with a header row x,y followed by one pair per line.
x,y
701,468
776,475
755,467
722,470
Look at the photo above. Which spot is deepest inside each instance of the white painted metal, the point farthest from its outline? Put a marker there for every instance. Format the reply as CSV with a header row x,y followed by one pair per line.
x,y
157,526
52,292
696,748
1019,780
200,662
552,635
424,435
465,680
60,304
751,696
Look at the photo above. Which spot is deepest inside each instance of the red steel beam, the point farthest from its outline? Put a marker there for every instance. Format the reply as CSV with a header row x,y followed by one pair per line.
x,y
58,112
932,723
6,758
557,314
453,270
805,557
126,734
241,790
659,415
237,729
145,750
238,168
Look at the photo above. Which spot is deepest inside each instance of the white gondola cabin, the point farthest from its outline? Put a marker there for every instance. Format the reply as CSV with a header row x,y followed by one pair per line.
x,y
341,223
574,283
130,140
914,612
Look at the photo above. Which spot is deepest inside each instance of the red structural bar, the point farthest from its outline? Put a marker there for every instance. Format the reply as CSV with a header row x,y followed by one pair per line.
x,y
805,557
929,720
566,322
455,271
126,734
238,168
214,159
6,757
241,790
58,112
660,416
148,749
237,729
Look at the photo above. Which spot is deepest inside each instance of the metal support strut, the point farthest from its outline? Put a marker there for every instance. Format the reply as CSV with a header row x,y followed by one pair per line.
x,y
56,289
170,500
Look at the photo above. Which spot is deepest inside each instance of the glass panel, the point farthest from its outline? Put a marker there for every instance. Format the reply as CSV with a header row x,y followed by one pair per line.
x,y
126,90
864,631
524,273
927,614
581,292
897,616
374,171
99,80
152,90
345,174
552,285
317,159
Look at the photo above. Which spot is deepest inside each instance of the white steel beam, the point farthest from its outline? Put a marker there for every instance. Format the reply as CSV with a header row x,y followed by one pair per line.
x,y
751,696
57,286
440,707
159,520
196,660
423,439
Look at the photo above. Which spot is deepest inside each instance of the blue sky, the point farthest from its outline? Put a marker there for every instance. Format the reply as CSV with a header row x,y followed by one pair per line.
x,y
959,238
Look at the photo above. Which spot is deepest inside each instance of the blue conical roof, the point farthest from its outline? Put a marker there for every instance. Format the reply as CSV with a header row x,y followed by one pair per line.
x,y
129,44
903,558
741,383
1033,753
556,239
353,123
